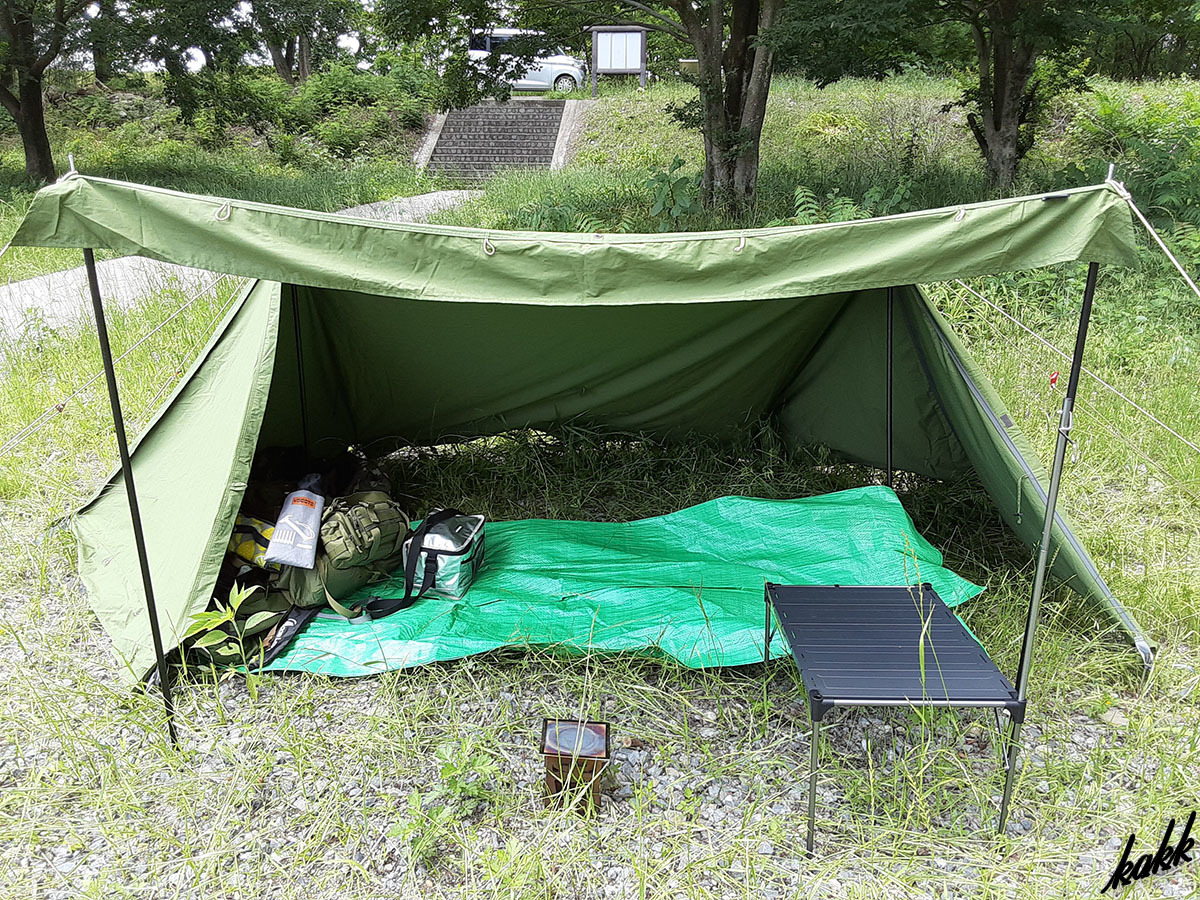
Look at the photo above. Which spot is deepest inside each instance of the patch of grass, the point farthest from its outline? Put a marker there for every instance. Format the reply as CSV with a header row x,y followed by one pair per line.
x,y
53,399
242,165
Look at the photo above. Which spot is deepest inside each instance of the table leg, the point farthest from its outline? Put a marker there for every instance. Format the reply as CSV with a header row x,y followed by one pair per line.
x,y
767,633
1014,743
814,757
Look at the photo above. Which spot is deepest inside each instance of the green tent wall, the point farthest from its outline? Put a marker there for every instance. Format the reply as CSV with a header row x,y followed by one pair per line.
x,y
425,334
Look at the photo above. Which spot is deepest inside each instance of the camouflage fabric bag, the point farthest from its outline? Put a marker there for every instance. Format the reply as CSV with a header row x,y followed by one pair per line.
x,y
362,540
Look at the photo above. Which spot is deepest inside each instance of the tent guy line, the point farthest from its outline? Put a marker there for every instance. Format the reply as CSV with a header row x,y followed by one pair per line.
x,y
1123,191
33,426
1049,346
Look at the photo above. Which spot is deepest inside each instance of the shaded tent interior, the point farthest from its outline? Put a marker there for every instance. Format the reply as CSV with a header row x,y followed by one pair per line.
x,y
358,332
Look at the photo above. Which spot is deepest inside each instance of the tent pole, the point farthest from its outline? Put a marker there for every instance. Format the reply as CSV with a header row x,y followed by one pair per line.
x,y
891,302
300,367
139,539
1065,423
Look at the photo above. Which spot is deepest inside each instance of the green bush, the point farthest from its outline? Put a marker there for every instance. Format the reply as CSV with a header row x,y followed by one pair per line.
x,y
350,129
343,108
1152,138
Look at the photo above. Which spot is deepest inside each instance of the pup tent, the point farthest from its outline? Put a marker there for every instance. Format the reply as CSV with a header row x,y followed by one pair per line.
x,y
353,331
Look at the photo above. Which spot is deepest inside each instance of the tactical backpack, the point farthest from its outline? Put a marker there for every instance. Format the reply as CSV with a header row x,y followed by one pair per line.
x,y
362,540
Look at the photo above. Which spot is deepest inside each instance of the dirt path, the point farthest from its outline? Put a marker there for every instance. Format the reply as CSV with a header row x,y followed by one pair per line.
x,y
60,297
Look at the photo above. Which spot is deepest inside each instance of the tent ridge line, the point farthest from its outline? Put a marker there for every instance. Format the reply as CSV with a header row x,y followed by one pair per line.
x,y
589,239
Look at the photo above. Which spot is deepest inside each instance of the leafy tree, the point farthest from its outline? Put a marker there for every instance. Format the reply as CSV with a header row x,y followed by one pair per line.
x,y
297,33
32,35
1022,55
170,32
173,33
1147,38
725,36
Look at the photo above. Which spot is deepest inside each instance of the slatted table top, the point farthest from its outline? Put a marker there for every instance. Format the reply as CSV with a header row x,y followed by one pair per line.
x,y
862,646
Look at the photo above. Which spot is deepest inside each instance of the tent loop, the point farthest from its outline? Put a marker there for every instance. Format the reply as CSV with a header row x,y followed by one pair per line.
x,y
962,214
741,244
1020,484
223,213
488,247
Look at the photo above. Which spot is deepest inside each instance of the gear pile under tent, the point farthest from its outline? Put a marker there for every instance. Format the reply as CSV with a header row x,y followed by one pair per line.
x,y
352,331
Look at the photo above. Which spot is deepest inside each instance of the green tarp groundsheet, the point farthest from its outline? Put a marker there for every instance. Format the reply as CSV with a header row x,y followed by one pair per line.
x,y
356,332
687,585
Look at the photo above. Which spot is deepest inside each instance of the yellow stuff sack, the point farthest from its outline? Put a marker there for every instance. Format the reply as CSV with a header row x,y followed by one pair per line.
x,y
249,541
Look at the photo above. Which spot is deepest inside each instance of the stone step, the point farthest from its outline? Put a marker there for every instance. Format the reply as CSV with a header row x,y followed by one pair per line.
x,y
524,127
513,128
476,113
474,150
486,151
480,165
477,167
505,137
503,114
477,141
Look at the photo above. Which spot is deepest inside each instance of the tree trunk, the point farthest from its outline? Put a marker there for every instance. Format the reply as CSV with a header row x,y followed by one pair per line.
x,y
101,60
734,81
31,123
1005,67
304,58
280,63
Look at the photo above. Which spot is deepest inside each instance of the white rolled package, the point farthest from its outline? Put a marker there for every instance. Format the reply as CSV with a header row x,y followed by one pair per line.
x,y
294,542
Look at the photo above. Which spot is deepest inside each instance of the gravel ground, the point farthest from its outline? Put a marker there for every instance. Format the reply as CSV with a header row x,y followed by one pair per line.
x,y
429,784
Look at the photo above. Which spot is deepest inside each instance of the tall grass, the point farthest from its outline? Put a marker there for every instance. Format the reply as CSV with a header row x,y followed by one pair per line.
x,y
244,167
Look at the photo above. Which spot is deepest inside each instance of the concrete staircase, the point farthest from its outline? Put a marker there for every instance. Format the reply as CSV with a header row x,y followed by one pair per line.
x,y
475,142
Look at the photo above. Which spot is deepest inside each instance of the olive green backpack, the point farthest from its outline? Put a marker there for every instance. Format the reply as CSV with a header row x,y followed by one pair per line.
x,y
362,540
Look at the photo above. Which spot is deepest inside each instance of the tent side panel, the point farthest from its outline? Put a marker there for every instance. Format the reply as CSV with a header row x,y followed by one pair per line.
x,y
838,396
1009,469
190,469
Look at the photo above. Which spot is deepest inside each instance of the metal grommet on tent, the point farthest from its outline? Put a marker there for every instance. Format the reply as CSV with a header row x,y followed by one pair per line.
x,y
223,213
488,247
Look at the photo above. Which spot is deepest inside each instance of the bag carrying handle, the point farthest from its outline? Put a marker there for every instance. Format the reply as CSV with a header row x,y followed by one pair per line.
x,y
379,607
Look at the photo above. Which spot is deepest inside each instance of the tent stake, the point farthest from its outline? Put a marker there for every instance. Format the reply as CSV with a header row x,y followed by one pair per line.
x,y
891,302
114,400
1065,423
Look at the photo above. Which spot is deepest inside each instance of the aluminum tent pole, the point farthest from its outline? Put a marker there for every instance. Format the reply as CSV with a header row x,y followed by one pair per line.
x,y
1065,423
891,303
139,539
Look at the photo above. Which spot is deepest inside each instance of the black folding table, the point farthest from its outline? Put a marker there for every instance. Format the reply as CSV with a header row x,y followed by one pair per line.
x,y
862,646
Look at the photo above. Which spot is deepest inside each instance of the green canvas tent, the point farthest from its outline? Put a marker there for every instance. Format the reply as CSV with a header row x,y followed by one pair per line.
x,y
353,331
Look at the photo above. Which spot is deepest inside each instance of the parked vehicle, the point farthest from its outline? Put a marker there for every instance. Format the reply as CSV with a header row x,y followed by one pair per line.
x,y
557,71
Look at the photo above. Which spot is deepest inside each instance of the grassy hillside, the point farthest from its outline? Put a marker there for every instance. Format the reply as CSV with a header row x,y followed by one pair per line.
x,y
339,142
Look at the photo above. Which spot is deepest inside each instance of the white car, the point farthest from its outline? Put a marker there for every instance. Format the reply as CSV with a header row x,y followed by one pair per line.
x,y
558,71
